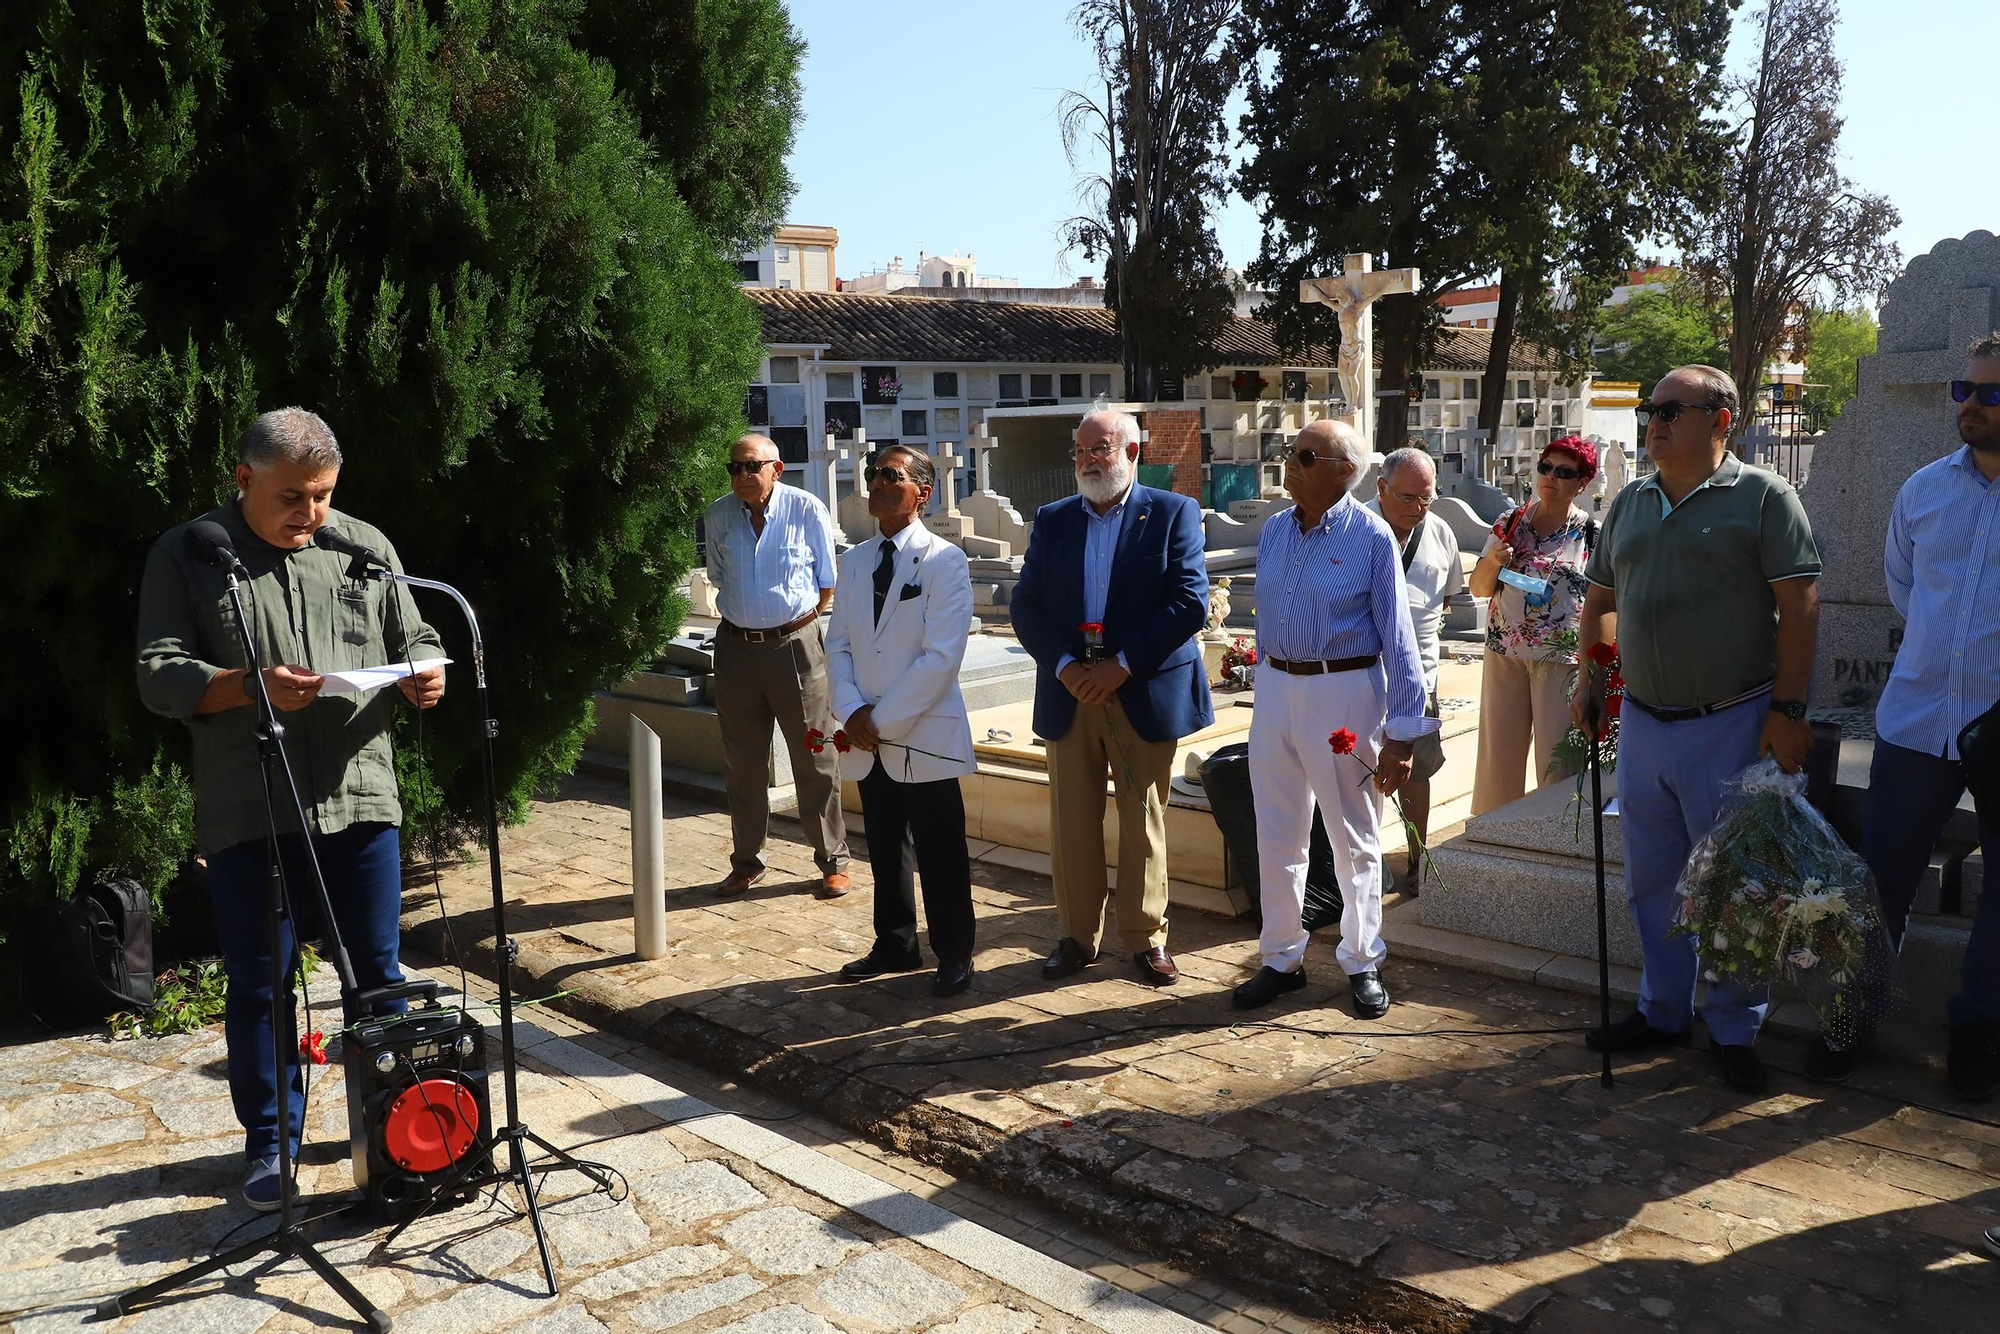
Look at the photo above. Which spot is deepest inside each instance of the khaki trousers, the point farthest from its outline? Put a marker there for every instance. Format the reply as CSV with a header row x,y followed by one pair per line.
x,y
1102,736
1523,713
782,681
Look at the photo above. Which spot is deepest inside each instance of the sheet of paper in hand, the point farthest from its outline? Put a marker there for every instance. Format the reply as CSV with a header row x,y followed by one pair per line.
x,y
363,679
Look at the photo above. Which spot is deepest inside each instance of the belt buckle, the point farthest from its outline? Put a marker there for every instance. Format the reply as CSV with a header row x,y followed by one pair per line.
x,y
755,636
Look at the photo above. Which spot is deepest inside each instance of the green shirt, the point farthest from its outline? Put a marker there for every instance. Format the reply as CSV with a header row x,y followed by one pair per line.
x,y
304,612
1697,620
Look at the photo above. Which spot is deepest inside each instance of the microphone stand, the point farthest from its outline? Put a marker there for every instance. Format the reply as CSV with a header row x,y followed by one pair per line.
x,y
514,1133
1593,719
287,1239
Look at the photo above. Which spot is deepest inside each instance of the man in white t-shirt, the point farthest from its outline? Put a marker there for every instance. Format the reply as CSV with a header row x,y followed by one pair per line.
x,y
1404,493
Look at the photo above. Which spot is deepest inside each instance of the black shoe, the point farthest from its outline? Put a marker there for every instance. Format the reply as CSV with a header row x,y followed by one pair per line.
x,y
1742,1068
1267,986
1067,959
1826,1065
1633,1033
1371,998
953,976
875,963
1974,1061
1992,1239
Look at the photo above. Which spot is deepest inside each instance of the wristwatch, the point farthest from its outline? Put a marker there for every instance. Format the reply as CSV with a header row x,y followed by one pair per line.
x,y
1791,708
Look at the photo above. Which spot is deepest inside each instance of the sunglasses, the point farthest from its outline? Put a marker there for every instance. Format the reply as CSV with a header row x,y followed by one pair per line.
x,y
1560,470
1989,393
893,476
1304,457
753,465
1670,411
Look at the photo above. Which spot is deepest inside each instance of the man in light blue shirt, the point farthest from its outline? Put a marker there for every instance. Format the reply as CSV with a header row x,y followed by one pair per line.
x,y
770,553
1941,561
1337,654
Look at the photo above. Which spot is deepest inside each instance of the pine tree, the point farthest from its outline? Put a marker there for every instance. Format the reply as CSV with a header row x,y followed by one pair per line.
x,y
491,243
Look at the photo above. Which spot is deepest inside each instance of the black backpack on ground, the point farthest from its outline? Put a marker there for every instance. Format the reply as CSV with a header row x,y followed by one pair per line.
x,y
92,956
1225,780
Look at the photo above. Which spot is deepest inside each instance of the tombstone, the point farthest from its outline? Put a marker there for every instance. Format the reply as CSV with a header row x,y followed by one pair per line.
x,y
701,594
823,473
1900,419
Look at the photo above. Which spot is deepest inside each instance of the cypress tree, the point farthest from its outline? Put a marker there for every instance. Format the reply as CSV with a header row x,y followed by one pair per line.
x,y
492,242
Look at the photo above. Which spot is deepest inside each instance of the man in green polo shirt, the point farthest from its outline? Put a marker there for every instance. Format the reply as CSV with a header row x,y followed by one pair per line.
x,y
1706,577
308,618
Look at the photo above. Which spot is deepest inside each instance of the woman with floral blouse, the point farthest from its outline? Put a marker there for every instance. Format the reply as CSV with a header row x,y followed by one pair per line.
x,y
1532,573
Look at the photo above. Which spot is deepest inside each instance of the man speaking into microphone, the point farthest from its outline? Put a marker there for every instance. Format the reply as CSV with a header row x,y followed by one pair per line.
x,y
308,617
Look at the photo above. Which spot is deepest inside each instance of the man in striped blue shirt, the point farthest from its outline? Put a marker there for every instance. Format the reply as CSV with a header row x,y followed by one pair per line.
x,y
1337,655
770,553
1941,561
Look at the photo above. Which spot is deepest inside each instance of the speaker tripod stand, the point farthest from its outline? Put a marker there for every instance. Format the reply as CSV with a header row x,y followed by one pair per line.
x,y
515,1135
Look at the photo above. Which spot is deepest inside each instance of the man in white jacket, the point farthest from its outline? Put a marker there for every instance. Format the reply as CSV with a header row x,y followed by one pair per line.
x,y
902,608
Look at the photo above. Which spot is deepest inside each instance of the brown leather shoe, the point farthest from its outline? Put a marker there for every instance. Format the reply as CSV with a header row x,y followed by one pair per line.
x,y
739,881
832,885
1157,967
1066,960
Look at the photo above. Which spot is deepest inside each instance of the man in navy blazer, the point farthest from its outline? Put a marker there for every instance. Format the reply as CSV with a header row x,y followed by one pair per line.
x,y
1113,588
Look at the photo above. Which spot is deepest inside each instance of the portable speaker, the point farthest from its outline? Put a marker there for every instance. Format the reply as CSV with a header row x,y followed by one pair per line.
x,y
417,1109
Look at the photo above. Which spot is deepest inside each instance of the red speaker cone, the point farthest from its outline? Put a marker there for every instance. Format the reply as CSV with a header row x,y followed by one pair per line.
x,y
431,1125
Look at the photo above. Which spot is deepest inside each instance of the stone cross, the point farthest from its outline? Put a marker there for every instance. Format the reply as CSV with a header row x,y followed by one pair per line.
x,y
948,462
824,464
982,458
1351,295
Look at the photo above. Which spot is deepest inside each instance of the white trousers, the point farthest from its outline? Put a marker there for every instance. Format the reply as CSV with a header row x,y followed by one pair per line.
x,y
1291,765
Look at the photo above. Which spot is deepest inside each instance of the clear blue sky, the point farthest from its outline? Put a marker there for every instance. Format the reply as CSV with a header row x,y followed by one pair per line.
x,y
933,127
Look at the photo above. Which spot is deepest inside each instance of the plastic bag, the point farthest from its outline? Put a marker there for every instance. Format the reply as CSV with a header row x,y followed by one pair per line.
x,y
1773,894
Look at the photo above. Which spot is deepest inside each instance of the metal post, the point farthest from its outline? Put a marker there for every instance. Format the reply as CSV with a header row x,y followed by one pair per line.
x,y
649,868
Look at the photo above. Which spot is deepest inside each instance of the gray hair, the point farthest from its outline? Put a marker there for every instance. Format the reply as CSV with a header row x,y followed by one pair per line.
x,y
289,435
1983,348
1409,456
757,442
922,471
1343,441
1719,384
1124,426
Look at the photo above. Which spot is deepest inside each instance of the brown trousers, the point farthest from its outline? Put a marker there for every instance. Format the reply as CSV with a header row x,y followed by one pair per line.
x,y
1102,736
782,681
1523,713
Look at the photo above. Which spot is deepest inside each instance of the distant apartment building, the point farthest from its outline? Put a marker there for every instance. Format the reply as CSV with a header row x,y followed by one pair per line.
x,y
798,258
932,271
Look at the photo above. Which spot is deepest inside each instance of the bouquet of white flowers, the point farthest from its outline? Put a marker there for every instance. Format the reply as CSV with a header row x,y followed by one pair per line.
x,y
1772,892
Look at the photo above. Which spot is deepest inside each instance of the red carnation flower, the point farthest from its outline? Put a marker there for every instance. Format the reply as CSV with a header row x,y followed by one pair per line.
x,y
815,740
312,1047
1342,742
1612,705
1250,657
1603,653
840,741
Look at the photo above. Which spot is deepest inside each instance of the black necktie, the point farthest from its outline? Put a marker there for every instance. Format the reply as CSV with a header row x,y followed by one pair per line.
x,y
885,574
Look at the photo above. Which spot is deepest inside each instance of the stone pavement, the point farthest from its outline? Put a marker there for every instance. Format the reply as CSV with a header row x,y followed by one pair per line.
x,y
1454,1166
120,1162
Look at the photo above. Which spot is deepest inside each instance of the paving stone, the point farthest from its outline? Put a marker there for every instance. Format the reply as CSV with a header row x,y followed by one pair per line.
x,y
69,1141
884,1289
569,1320
636,1156
479,1306
653,1271
688,1194
211,1313
591,1229
789,1241
98,1071
678,1308
462,1258
61,1109
788,1319
207,1119
989,1320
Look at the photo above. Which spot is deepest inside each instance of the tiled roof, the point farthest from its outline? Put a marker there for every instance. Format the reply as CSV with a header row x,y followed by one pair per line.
x,y
891,329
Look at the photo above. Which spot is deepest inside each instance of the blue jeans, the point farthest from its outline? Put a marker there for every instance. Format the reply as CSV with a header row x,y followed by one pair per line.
x,y
363,866
1911,796
1670,778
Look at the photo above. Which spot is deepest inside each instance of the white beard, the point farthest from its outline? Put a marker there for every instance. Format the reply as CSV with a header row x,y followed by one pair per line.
x,y
1106,486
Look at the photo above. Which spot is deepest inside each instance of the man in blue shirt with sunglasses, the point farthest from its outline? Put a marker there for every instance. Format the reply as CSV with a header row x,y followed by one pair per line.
x,y
1941,560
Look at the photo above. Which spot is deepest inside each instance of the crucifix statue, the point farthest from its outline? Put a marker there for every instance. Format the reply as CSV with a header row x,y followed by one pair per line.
x,y
1351,294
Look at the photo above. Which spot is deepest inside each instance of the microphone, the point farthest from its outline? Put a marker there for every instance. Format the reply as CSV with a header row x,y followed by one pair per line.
x,y
328,538
213,544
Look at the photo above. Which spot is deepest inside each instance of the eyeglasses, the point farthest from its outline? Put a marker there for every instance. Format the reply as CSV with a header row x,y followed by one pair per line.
x,y
1670,411
1422,502
893,476
1103,449
1304,457
750,465
1989,393
1561,471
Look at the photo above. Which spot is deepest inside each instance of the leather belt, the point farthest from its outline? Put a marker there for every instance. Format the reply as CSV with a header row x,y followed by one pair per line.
x,y
1323,668
1699,711
773,635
